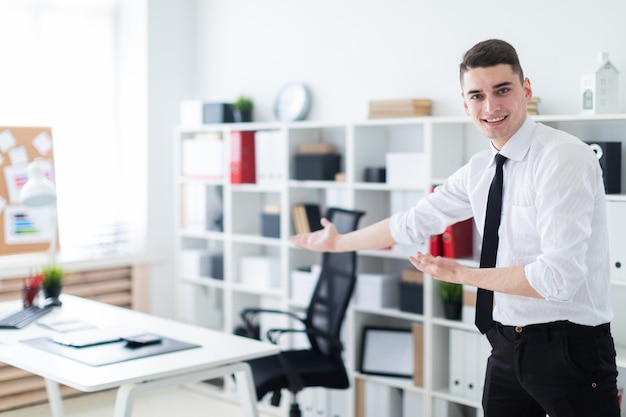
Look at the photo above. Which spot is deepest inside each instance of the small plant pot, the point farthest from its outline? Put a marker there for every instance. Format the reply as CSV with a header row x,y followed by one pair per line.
x,y
242,116
51,295
452,311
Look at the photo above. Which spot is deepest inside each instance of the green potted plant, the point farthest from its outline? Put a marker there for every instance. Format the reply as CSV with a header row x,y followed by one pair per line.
x,y
242,109
52,283
452,296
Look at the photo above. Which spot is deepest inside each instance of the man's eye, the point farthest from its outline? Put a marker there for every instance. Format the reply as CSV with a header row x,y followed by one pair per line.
x,y
504,90
475,97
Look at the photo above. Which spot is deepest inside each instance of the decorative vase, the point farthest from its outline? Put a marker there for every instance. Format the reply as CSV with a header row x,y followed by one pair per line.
x,y
452,311
51,296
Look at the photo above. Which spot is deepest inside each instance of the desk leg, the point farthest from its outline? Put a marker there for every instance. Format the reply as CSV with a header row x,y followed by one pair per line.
x,y
243,375
54,398
247,393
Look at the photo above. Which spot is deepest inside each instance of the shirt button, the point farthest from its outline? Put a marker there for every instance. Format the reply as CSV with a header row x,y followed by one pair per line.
x,y
518,329
594,385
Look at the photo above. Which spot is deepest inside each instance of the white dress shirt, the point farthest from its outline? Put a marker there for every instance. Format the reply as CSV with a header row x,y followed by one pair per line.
x,y
553,222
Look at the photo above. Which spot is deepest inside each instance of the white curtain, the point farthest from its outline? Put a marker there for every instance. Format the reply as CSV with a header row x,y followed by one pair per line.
x,y
58,69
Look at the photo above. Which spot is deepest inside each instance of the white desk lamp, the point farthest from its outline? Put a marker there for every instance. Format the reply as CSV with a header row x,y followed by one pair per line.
x,y
38,191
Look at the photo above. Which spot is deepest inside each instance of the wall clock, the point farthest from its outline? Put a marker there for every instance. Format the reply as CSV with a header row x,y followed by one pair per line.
x,y
293,102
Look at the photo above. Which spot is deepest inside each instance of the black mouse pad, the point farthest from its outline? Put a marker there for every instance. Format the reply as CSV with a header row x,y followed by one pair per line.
x,y
108,353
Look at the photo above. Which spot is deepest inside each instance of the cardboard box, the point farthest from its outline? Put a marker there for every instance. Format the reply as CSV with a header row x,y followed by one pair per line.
x,y
412,275
417,329
399,108
468,311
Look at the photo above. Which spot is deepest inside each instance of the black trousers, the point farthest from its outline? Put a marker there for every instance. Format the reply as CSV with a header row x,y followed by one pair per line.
x,y
561,369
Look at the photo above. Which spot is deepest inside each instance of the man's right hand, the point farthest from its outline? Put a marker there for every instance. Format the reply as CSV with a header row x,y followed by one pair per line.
x,y
323,240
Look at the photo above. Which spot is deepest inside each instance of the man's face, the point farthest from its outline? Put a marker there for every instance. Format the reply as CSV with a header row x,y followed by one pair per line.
x,y
496,100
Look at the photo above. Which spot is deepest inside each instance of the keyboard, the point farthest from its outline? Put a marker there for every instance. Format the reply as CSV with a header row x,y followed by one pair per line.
x,y
23,317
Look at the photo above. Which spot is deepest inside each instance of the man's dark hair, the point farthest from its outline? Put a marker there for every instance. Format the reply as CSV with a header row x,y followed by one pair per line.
x,y
490,53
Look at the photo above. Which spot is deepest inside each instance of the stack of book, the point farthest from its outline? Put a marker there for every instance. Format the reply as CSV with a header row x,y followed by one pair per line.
x,y
306,217
316,148
531,106
399,108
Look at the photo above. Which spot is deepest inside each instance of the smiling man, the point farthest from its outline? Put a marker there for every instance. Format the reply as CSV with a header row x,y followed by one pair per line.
x,y
545,255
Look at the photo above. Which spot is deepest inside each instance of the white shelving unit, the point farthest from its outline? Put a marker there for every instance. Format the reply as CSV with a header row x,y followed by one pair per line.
x,y
445,142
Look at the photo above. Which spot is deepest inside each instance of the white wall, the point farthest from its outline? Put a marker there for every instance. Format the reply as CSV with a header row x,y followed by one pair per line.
x,y
348,52
352,51
170,65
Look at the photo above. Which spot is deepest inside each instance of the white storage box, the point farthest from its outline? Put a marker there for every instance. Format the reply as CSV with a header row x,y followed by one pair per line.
x,y
261,272
303,283
203,157
377,290
195,263
407,169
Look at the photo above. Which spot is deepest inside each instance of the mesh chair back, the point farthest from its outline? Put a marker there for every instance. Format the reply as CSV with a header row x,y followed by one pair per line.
x,y
334,287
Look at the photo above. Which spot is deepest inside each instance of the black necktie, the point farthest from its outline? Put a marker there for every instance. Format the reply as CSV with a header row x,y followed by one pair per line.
x,y
489,251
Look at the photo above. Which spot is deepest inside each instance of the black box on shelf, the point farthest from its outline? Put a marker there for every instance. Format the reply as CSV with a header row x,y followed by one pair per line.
x,y
217,266
316,166
270,224
217,113
412,297
375,174
609,156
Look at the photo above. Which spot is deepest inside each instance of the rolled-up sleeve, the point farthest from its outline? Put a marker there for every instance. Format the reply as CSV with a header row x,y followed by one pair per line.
x,y
566,199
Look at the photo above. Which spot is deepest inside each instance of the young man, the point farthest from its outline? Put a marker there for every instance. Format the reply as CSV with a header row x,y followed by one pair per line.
x,y
553,352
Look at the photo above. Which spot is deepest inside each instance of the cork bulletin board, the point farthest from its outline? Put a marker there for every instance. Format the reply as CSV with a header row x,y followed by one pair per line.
x,y
24,229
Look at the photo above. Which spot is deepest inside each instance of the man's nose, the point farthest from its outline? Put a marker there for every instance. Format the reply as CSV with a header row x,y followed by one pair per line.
x,y
491,104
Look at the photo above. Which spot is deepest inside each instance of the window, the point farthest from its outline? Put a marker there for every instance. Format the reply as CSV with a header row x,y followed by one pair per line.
x,y
59,70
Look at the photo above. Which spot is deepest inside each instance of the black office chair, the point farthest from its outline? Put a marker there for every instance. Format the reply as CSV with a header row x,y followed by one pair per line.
x,y
321,365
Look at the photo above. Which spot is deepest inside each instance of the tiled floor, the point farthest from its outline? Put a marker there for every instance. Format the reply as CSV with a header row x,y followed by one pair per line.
x,y
166,403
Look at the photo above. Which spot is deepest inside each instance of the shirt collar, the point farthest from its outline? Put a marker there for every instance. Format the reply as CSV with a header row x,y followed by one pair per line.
x,y
518,145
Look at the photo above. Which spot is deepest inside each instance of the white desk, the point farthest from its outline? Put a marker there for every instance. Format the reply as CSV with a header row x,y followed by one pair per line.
x,y
220,354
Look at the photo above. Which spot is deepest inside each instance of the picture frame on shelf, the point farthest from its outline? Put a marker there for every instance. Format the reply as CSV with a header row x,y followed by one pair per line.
x,y
387,351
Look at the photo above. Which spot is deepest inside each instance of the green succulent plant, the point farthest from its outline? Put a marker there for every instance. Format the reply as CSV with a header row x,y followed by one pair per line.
x,y
53,275
243,104
451,293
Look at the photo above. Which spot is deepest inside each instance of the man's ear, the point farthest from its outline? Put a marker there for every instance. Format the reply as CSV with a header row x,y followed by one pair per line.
x,y
464,103
528,90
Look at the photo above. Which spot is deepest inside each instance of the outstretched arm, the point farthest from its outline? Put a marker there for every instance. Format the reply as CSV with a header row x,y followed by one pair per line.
x,y
375,236
508,280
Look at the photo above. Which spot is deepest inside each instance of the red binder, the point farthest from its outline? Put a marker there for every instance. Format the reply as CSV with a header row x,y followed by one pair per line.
x,y
436,241
436,245
242,165
458,240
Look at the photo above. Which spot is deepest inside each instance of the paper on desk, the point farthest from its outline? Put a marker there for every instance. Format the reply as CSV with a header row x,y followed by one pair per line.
x,y
96,336
67,325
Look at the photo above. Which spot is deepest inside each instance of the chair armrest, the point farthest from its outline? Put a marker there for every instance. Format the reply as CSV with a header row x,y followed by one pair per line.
x,y
249,314
274,334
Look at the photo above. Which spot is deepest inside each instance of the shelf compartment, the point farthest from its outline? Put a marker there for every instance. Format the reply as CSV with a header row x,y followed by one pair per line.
x,y
247,207
201,305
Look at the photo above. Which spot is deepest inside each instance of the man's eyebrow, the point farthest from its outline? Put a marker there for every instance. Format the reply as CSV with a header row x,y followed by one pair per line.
x,y
502,84
495,87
